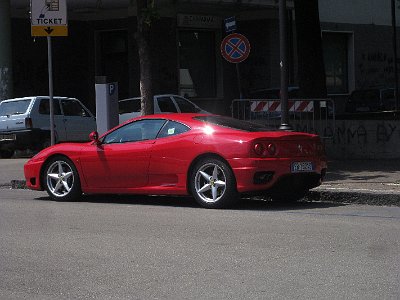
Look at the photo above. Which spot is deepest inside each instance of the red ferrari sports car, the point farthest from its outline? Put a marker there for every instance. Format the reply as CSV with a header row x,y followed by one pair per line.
x,y
211,157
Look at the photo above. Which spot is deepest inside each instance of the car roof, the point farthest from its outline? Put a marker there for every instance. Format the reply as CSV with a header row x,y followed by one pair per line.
x,y
161,95
38,97
183,117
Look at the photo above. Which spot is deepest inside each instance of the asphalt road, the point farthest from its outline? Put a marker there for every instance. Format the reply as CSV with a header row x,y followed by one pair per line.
x,y
163,248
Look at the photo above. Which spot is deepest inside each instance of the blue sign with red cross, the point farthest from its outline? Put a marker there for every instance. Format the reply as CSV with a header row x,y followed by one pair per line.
x,y
235,48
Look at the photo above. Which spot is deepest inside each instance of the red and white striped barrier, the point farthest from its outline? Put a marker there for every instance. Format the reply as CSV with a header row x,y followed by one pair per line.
x,y
275,106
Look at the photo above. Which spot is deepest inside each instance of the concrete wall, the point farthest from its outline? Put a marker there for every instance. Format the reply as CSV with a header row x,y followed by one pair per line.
x,y
363,139
376,12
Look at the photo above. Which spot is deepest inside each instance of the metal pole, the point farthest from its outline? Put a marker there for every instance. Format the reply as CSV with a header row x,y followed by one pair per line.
x,y
50,70
239,81
396,76
6,82
283,64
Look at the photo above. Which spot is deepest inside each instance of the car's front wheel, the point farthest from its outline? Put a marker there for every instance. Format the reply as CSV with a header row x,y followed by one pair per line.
x,y
61,179
213,184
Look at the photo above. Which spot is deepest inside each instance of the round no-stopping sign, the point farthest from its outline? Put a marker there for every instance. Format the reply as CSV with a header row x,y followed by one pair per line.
x,y
235,48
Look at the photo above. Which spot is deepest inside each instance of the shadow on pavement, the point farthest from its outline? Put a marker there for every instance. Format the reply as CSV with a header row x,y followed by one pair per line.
x,y
182,201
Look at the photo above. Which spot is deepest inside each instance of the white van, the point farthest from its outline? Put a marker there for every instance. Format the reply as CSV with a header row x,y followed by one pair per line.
x,y
25,123
168,103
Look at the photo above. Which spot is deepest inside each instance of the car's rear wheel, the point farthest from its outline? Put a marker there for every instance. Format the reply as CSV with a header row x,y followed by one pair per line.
x,y
46,143
61,179
213,184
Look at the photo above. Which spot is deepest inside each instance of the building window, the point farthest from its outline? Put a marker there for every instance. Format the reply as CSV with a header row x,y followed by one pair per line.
x,y
336,62
197,67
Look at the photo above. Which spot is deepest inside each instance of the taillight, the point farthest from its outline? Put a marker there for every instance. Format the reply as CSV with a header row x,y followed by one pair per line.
x,y
271,148
259,149
28,123
264,149
320,149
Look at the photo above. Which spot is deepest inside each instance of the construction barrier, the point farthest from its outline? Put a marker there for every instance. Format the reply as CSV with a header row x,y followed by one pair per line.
x,y
306,115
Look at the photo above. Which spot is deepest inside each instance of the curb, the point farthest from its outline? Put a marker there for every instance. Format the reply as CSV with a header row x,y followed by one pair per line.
x,y
369,198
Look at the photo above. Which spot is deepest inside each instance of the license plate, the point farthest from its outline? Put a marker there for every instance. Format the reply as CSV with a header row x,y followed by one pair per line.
x,y
7,137
303,166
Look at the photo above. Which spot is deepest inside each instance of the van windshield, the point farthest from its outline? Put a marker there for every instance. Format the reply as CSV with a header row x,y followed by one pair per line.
x,y
14,107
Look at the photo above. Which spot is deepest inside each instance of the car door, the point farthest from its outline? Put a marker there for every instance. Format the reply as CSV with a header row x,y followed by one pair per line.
x,y
170,154
42,118
121,160
79,122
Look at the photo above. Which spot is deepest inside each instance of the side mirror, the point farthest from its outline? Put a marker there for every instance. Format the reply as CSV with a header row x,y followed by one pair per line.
x,y
94,137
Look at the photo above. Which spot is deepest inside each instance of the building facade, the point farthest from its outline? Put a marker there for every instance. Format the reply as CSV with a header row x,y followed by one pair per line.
x,y
357,45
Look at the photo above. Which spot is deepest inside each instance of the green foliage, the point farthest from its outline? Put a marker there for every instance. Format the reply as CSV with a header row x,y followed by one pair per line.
x,y
150,13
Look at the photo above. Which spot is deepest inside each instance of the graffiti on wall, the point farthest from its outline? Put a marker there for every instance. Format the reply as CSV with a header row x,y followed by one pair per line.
x,y
358,133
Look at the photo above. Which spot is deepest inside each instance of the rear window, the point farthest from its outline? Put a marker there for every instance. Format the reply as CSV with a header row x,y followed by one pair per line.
x,y
18,107
233,123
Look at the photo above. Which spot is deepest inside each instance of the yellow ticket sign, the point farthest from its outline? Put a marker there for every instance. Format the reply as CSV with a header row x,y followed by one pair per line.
x,y
49,18
49,30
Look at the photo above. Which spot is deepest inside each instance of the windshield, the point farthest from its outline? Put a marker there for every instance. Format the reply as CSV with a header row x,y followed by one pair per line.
x,y
233,123
14,107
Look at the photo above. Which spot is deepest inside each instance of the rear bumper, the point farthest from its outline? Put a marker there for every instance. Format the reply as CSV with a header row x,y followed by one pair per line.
x,y
278,174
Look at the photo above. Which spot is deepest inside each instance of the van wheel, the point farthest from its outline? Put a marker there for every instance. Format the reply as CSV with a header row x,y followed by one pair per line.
x,y
6,153
46,143
61,179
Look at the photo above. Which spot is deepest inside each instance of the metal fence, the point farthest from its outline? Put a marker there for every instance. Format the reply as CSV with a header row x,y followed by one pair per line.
x,y
306,115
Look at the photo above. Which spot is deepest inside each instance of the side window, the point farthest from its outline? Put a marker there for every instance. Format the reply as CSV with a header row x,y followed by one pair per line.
x,y
166,104
185,106
44,107
135,131
172,128
73,108
128,106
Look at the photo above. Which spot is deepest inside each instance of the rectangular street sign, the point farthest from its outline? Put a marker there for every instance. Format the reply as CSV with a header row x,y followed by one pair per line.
x,y
49,18
230,24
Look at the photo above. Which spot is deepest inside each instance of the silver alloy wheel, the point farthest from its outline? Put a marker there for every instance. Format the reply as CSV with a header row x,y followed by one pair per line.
x,y
210,182
60,178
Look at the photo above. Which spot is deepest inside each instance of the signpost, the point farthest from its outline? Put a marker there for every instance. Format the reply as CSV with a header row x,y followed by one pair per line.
x,y
49,18
235,48
230,24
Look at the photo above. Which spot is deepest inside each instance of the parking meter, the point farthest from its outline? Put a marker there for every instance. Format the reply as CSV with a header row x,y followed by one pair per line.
x,y
106,104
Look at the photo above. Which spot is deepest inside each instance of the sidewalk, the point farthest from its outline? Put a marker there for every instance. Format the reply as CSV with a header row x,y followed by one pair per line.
x,y
374,182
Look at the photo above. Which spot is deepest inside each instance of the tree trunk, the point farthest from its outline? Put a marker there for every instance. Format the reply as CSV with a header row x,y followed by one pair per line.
x,y
311,69
143,43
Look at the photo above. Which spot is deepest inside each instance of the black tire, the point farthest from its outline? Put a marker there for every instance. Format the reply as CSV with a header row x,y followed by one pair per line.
x,y
46,143
61,179
213,184
6,153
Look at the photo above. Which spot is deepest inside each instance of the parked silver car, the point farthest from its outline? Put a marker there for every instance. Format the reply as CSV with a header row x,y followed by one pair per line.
x,y
168,103
25,123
